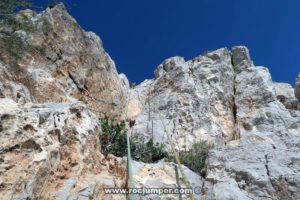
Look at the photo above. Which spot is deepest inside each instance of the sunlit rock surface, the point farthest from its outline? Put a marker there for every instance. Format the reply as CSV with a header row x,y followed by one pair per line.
x,y
52,96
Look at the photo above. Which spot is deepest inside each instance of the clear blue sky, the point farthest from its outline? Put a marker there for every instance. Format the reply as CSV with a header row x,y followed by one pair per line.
x,y
140,34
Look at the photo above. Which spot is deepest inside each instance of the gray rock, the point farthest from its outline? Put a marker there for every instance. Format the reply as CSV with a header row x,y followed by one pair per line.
x,y
286,95
261,165
65,192
241,58
193,98
226,100
163,175
297,88
72,65
50,146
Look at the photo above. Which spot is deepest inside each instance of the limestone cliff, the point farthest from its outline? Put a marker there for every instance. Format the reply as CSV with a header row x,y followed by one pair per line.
x,y
58,61
223,98
56,80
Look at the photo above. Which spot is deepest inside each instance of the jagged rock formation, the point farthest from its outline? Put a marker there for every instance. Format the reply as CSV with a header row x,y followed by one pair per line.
x,y
194,98
50,146
164,175
223,98
52,151
266,164
286,95
60,62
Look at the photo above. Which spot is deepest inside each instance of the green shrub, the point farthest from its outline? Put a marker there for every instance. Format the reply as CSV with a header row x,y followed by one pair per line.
x,y
83,100
14,46
9,7
19,25
113,137
147,152
42,51
114,141
132,85
196,156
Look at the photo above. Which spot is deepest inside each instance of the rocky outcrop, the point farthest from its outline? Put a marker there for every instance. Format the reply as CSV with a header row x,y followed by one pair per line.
x,y
297,88
286,95
59,62
195,99
165,175
265,164
11,89
52,151
52,95
223,98
50,102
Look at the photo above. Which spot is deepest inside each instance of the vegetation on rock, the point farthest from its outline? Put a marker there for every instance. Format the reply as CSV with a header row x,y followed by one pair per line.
x,y
16,25
114,141
195,157
14,46
113,137
147,152
9,7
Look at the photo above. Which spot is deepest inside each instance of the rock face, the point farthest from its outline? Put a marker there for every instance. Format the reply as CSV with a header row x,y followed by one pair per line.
x,y
53,91
266,163
223,98
60,62
286,95
297,88
195,99
52,151
164,175
50,146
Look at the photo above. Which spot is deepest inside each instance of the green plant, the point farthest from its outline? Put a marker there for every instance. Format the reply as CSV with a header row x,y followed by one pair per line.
x,y
132,85
14,46
42,51
15,24
114,141
113,137
83,100
75,25
147,152
196,156
206,52
9,7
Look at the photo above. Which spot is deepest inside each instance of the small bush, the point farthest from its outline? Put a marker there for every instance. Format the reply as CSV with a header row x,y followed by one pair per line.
x,y
40,49
83,100
114,141
147,152
19,25
113,137
14,46
9,7
196,156
132,85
